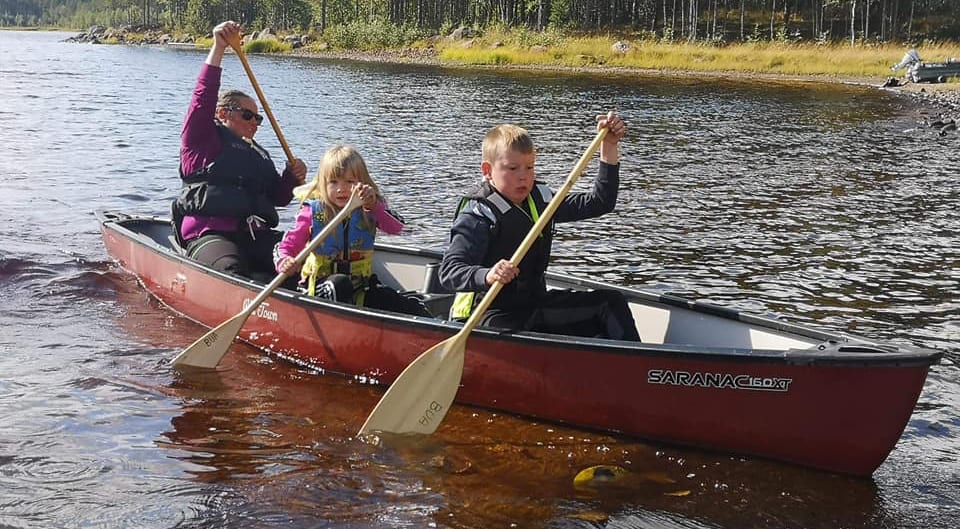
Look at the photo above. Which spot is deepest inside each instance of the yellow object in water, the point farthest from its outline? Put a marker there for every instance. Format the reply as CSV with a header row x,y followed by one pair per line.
x,y
598,474
678,493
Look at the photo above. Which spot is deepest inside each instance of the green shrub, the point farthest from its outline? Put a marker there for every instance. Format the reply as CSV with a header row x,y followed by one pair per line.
x,y
267,46
373,35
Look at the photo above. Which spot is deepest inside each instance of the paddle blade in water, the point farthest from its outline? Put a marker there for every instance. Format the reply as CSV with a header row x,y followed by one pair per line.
x,y
207,351
419,398
210,348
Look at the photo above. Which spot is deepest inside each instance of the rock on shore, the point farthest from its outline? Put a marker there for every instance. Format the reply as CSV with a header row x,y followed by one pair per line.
x,y
938,105
148,35
126,34
946,95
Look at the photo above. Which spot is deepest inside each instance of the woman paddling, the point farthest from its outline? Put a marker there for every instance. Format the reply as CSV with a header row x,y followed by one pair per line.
x,y
226,209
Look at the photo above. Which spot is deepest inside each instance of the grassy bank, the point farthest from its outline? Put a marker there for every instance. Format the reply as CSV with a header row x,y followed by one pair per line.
x,y
841,60
553,49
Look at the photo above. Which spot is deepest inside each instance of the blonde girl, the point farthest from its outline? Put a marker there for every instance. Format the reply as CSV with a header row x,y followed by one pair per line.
x,y
341,268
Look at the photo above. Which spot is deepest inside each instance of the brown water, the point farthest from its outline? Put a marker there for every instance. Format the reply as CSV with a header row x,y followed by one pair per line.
x,y
826,205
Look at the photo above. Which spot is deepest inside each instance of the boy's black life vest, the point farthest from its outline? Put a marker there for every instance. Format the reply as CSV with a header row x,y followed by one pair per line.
x,y
510,224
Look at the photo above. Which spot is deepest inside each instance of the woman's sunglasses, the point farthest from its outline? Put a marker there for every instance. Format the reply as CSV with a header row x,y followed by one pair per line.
x,y
247,115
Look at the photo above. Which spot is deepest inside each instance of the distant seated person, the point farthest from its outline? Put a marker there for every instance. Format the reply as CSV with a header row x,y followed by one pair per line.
x,y
341,268
493,221
227,205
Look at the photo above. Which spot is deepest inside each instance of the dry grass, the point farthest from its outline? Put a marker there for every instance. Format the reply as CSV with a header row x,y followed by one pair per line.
x,y
775,58
254,46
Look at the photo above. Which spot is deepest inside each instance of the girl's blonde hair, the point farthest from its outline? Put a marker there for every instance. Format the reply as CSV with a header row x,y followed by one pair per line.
x,y
336,162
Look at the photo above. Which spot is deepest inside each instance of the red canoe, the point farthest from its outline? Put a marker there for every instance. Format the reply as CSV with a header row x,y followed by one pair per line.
x,y
705,376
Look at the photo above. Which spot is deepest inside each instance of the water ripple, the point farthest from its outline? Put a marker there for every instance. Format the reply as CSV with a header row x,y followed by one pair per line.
x,y
40,470
177,505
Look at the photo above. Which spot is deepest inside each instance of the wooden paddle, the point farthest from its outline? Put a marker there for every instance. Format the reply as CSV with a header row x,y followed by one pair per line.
x,y
234,42
210,348
420,397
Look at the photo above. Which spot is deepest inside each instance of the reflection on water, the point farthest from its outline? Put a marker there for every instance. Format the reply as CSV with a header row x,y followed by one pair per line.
x,y
822,204
278,442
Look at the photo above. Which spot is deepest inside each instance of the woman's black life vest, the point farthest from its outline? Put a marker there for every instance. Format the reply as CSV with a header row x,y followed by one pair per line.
x,y
239,183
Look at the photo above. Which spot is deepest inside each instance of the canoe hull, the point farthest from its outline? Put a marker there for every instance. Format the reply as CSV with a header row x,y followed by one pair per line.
x,y
815,409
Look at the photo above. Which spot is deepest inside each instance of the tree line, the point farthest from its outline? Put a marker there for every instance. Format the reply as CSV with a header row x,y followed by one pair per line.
x,y
717,21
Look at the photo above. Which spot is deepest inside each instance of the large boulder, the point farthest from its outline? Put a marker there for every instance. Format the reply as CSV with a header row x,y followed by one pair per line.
x,y
266,34
463,32
116,33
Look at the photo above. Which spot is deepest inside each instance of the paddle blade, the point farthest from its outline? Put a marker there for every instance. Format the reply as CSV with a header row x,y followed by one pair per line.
x,y
419,398
207,351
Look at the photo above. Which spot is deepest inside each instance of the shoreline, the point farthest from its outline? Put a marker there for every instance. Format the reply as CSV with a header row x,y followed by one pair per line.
x,y
942,96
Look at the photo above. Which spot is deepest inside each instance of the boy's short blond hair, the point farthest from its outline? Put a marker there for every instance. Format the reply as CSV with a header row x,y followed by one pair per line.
x,y
504,137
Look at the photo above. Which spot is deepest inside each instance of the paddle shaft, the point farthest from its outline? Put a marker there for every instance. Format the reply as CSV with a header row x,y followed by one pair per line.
x,y
238,48
535,231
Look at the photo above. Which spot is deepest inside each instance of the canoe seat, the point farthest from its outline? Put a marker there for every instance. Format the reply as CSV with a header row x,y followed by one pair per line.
x,y
434,296
431,280
175,246
438,304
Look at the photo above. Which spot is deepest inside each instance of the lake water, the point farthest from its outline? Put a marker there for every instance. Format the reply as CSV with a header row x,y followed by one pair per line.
x,y
826,205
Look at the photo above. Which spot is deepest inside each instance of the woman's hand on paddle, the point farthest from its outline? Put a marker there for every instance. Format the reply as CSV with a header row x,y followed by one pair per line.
x,y
224,31
616,129
298,169
503,272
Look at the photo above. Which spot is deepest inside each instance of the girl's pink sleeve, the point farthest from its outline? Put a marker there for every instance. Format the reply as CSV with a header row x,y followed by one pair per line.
x,y
386,221
295,239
